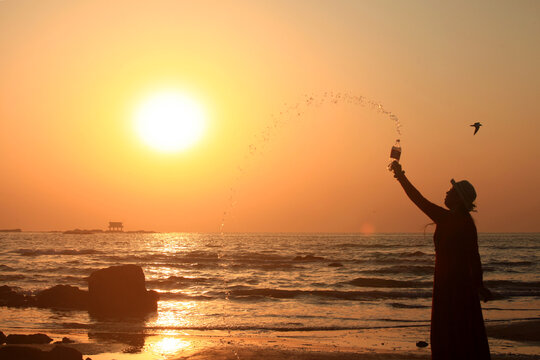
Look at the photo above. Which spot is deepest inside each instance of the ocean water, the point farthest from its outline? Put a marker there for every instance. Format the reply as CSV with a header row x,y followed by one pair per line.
x,y
263,282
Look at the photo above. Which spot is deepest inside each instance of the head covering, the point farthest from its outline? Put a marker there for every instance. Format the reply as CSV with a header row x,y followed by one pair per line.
x,y
466,193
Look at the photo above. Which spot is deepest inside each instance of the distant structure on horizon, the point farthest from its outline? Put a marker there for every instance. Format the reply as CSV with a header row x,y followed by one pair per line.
x,y
115,226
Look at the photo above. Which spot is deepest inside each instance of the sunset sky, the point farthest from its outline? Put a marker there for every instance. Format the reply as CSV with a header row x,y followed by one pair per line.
x,y
74,73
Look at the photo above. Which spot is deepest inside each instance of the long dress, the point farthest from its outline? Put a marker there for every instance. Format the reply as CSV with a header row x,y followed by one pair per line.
x,y
457,325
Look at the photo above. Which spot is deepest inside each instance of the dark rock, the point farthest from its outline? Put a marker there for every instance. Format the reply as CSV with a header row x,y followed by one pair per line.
x,y
120,291
66,340
28,339
31,353
9,297
64,297
2,338
335,264
21,353
63,353
422,344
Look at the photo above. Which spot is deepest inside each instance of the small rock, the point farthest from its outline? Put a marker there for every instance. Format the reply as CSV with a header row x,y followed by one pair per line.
x,y
66,340
421,344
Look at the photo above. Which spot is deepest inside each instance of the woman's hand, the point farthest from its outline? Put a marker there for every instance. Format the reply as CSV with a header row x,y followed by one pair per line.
x,y
395,166
485,294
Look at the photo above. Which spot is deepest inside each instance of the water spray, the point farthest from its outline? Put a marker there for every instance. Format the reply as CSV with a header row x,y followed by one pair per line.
x,y
296,110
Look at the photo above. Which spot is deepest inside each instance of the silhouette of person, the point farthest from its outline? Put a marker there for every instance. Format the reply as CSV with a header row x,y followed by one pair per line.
x,y
457,325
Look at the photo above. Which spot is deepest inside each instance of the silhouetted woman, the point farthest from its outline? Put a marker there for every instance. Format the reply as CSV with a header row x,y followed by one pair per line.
x,y
457,325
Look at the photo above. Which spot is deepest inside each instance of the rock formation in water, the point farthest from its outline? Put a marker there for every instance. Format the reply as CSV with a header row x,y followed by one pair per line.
x,y
9,297
113,291
120,290
63,297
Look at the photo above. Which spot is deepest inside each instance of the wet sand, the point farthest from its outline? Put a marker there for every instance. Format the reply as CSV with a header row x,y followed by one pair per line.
x,y
265,353
518,340
524,331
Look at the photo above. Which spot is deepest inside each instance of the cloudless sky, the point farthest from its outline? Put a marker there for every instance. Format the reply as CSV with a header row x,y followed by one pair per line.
x,y
72,73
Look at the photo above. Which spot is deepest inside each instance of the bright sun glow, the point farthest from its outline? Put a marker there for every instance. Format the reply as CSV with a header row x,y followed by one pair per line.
x,y
169,121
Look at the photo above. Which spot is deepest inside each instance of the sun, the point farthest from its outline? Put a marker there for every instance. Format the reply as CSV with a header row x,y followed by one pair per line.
x,y
169,121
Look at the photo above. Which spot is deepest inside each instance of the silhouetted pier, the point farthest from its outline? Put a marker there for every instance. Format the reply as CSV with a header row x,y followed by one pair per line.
x,y
116,226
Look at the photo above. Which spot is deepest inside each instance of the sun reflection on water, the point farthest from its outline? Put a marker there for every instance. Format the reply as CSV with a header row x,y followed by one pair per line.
x,y
167,346
176,314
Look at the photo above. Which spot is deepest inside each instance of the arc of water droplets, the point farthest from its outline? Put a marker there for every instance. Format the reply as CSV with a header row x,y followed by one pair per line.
x,y
280,119
277,122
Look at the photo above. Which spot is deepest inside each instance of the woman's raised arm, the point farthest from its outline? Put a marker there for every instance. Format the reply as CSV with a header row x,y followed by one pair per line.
x,y
435,212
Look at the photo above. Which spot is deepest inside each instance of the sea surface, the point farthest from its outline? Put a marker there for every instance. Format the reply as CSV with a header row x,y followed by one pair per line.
x,y
263,282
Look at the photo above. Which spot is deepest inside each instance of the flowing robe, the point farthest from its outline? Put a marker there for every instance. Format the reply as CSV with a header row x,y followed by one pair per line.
x,y
457,325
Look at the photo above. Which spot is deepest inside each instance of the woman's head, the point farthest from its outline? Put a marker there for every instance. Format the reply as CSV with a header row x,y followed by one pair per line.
x,y
461,196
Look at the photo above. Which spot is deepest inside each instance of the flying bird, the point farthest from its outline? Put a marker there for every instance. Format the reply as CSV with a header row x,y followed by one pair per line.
x,y
476,126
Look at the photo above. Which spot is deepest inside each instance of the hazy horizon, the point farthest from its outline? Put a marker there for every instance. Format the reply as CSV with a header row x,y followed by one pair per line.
x,y
225,233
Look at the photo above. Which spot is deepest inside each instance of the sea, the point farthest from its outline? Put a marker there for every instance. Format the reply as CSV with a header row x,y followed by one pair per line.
x,y
263,281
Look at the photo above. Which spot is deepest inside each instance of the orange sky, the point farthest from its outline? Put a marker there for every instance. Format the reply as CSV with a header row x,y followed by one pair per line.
x,y
72,73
